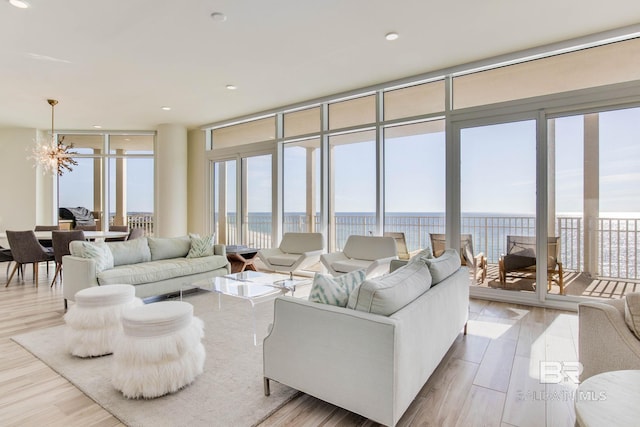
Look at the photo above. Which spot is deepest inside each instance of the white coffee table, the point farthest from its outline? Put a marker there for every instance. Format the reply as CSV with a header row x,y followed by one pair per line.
x,y
252,286
609,399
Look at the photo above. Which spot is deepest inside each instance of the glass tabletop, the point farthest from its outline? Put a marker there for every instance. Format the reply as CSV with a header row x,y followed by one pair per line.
x,y
241,285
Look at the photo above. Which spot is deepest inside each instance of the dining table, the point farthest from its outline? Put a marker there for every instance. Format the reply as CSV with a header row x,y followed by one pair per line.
x,y
88,235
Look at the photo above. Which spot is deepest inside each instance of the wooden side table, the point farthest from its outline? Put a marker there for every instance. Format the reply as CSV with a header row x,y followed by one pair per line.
x,y
609,399
241,258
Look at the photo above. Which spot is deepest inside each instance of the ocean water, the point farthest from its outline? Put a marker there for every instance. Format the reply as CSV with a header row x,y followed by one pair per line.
x,y
618,237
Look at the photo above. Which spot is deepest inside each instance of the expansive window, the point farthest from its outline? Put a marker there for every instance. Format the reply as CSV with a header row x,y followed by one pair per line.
x,y
380,161
352,192
596,200
121,166
256,194
414,177
225,202
498,197
301,186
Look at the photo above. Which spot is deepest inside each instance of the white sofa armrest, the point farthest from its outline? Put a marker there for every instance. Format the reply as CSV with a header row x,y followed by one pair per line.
x,y
313,347
220,250
78,273
379,267
605,341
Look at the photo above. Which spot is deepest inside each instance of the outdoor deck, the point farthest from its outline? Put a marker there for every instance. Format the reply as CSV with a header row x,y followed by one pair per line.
x,y
575,283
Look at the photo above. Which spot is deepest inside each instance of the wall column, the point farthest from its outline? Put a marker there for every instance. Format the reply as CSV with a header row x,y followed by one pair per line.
x,y
121,190
591,192
551,178
311,190
171,153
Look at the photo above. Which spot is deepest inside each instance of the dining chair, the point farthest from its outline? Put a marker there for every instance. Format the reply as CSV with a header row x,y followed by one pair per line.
x,y
26,249
46,242
6,256
135,233
61,240
118,228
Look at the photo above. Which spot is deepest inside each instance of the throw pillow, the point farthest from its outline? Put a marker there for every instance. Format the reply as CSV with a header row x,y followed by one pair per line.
x,y
443,266
98,251
632,312
389,293
335,290
421,256
200,246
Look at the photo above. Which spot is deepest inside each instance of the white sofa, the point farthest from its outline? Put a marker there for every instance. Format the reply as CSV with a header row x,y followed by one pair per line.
x,y
370,364
371,253
155,266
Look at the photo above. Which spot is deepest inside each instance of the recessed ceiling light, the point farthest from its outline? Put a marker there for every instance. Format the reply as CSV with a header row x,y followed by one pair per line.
x,y
166,108
218,16
21,4
391,36
232,87
97,126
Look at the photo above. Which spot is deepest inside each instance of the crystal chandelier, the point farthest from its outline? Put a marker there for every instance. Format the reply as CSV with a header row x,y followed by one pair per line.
x,y
52,154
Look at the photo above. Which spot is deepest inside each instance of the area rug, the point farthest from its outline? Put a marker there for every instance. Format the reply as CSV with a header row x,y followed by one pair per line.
x,y
228,393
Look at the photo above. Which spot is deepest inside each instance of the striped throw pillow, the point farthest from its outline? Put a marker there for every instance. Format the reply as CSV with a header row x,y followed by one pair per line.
x,y
335,290
98,251
200,246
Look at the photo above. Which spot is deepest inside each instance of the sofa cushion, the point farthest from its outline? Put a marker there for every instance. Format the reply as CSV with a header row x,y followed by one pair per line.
x,y
130,251
200,246
350,265
98,251
443,266
389,293
632,312
155,271
335,290
167,248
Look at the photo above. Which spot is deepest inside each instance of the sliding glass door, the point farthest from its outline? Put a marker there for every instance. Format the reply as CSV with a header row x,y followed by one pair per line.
x,y
594,196
498,204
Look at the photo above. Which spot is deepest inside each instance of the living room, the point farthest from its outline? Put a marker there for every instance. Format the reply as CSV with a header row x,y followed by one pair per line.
x,y
299,124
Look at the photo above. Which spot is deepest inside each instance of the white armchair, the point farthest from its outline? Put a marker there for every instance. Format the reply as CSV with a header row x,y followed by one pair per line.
x,y
296,251
370,253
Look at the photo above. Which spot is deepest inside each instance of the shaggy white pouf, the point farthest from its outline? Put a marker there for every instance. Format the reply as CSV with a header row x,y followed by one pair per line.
x,y
160,350
93,322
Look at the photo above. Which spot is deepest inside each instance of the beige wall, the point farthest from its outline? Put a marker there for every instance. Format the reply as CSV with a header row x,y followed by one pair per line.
x,y
196,194
27,195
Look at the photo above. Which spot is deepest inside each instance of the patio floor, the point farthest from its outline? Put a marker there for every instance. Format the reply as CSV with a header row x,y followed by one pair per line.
x,y
575,283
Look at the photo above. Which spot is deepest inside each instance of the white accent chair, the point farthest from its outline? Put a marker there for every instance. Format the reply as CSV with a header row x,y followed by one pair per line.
x,y
296,251
371,253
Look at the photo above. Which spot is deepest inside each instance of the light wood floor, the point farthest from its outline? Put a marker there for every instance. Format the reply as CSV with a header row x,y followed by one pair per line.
x,y
488,378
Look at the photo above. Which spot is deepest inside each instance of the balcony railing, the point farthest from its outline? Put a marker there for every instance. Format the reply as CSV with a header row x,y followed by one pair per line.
x,y
617,239
144,221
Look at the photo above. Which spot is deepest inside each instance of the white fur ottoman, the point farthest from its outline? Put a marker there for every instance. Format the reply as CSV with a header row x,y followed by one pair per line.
x,y
93,322
160,350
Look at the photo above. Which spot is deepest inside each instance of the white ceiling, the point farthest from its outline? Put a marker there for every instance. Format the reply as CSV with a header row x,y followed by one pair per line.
x,y
115,63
